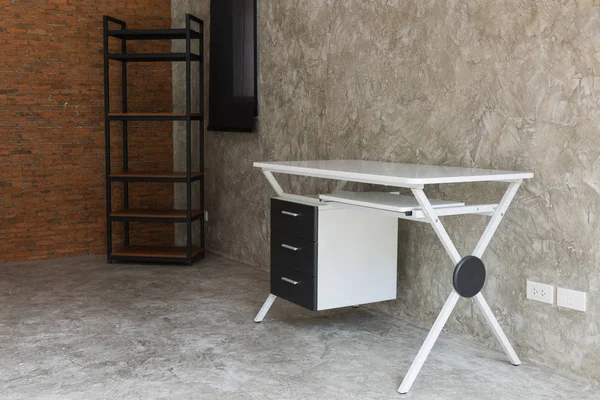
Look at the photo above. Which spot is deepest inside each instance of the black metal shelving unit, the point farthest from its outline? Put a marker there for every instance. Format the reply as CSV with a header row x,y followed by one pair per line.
x,y
150,253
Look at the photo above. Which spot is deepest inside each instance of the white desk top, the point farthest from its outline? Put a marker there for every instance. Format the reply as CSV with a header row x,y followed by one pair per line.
x,y
390,174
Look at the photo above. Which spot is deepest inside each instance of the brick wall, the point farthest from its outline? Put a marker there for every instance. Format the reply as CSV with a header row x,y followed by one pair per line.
x,y
52,187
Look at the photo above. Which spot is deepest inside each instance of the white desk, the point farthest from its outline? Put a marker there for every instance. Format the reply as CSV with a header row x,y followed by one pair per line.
x,y
469,273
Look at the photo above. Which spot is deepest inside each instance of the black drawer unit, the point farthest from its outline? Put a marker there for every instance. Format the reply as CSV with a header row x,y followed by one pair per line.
x,y
294,219
294,286
324,256
295,253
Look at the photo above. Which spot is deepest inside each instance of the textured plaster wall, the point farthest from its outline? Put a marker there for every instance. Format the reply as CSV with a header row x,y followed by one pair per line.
x,y
505,84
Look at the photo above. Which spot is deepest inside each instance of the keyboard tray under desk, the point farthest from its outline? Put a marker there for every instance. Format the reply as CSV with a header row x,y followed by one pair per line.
x,y
384,201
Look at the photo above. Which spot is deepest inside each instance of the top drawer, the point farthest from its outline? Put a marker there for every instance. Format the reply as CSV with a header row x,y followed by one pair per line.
x,y
295,219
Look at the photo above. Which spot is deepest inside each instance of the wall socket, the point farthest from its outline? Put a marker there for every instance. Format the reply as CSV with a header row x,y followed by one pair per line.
x,y
540,292
571,299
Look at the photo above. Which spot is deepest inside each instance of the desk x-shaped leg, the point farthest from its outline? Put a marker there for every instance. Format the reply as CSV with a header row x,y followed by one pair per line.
x,y
443,316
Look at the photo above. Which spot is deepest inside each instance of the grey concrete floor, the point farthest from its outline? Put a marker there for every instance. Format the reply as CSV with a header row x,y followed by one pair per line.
x,y
82,329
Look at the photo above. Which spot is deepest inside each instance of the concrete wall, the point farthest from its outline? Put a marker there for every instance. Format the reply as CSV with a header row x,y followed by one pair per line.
x,y
506,84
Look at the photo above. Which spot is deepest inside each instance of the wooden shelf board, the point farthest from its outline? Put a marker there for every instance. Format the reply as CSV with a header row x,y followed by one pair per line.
x,y
155,252
153,213
157,175
153,57
152,34
146,114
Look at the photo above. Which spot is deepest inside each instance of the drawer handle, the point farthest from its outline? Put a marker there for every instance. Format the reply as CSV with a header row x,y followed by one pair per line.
x,y
287,246
291,214
288,280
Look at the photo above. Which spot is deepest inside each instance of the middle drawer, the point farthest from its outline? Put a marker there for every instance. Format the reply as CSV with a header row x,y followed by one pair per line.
x,y
294,253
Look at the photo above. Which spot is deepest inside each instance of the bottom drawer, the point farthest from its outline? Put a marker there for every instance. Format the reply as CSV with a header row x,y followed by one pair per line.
x,y
294,286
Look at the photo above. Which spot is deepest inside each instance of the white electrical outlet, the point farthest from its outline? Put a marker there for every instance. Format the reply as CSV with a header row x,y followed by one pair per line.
x,y
540,292
206,216
571,299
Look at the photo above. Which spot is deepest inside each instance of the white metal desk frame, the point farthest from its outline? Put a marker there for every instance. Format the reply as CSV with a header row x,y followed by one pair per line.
x,y
430,215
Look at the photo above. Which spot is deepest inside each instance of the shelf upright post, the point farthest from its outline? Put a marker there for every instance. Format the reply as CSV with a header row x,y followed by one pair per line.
x,y
188,135
125,133
107,142
201,134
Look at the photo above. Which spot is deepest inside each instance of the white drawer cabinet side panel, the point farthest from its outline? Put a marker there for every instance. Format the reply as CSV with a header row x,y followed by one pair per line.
x,y
357,258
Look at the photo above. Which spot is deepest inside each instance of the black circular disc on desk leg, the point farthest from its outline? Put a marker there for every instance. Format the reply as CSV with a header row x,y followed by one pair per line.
x,y
469,276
